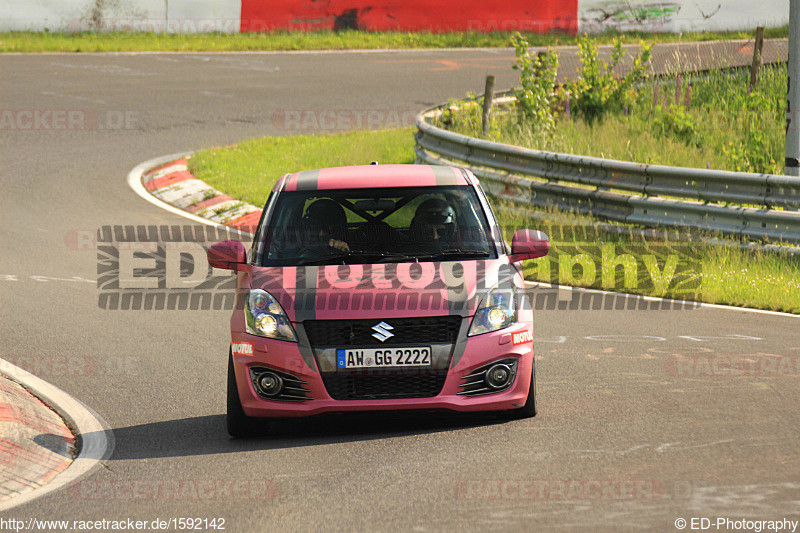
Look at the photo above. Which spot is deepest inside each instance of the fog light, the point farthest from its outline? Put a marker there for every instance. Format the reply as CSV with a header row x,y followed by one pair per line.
x,y
270,384
498,376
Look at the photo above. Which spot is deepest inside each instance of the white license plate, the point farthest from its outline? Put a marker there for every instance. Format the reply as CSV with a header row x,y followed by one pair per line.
x,y
383,357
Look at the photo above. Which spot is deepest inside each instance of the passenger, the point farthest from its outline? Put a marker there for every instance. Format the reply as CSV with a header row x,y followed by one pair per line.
x,y
434,223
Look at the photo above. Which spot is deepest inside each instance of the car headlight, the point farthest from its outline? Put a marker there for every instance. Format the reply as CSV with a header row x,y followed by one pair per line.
x,y
265,317
497,310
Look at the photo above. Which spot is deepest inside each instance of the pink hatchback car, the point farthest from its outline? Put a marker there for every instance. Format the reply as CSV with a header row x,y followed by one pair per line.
x,y
383,287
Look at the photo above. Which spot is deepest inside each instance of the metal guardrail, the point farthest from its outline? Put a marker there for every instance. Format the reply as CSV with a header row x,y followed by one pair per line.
x,y
635,193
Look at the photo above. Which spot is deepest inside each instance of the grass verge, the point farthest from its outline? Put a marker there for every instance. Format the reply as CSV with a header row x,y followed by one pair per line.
x,y
727,275
31,42
248,170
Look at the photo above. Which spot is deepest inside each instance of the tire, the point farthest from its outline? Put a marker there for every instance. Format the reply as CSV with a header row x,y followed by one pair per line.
x,y
529,409
239,425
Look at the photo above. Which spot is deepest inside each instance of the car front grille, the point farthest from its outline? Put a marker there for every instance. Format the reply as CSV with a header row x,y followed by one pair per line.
x,y
422,384
415,331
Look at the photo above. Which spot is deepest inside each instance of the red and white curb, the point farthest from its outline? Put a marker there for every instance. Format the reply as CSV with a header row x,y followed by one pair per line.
x,y
35,443
173,184
39,472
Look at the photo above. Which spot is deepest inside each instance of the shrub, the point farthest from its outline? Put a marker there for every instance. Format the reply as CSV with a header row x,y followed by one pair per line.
x,y
537,97
676,121
598,89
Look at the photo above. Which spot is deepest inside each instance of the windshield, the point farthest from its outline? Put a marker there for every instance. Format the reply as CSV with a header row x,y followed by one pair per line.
x,y
376,226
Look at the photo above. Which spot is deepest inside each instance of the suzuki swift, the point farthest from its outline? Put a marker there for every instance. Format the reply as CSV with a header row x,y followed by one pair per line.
x,y
379,287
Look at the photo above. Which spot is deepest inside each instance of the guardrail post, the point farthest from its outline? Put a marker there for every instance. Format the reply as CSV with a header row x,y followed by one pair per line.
x,y
488,98
792,167
759,45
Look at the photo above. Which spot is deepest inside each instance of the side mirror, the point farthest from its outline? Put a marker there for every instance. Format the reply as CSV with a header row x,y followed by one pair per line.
x,y
529,244
229,255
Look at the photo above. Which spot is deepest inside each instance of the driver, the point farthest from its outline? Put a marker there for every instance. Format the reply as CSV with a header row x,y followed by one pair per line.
x,y
323,227
434,222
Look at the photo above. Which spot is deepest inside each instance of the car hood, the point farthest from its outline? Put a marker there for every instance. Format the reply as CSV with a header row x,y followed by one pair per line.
x,y
388,290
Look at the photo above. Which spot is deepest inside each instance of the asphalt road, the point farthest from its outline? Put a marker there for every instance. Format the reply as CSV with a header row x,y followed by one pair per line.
x,y
640,423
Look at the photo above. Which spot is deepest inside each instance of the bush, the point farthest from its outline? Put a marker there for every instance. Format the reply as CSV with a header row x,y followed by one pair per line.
x,y
537,98
677,122
598,90
463,115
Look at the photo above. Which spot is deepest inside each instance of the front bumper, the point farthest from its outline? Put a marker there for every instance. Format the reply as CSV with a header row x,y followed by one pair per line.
x,y
478,351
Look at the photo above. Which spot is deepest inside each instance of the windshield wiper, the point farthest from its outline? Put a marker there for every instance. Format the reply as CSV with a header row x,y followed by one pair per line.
x,y
336,258
384,257
342,258
453,253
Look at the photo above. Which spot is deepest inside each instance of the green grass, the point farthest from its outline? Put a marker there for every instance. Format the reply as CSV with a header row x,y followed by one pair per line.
x,y
248,170
752,279
723,127
730,276
321,40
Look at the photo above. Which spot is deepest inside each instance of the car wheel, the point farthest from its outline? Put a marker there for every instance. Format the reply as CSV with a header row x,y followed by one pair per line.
x,y
239,424
529,409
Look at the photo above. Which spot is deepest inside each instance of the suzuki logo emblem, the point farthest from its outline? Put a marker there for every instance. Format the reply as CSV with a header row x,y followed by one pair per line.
x,y
382,331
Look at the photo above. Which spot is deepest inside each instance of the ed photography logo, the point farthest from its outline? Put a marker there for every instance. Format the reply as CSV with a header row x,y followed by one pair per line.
x,y
166,268
735,524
